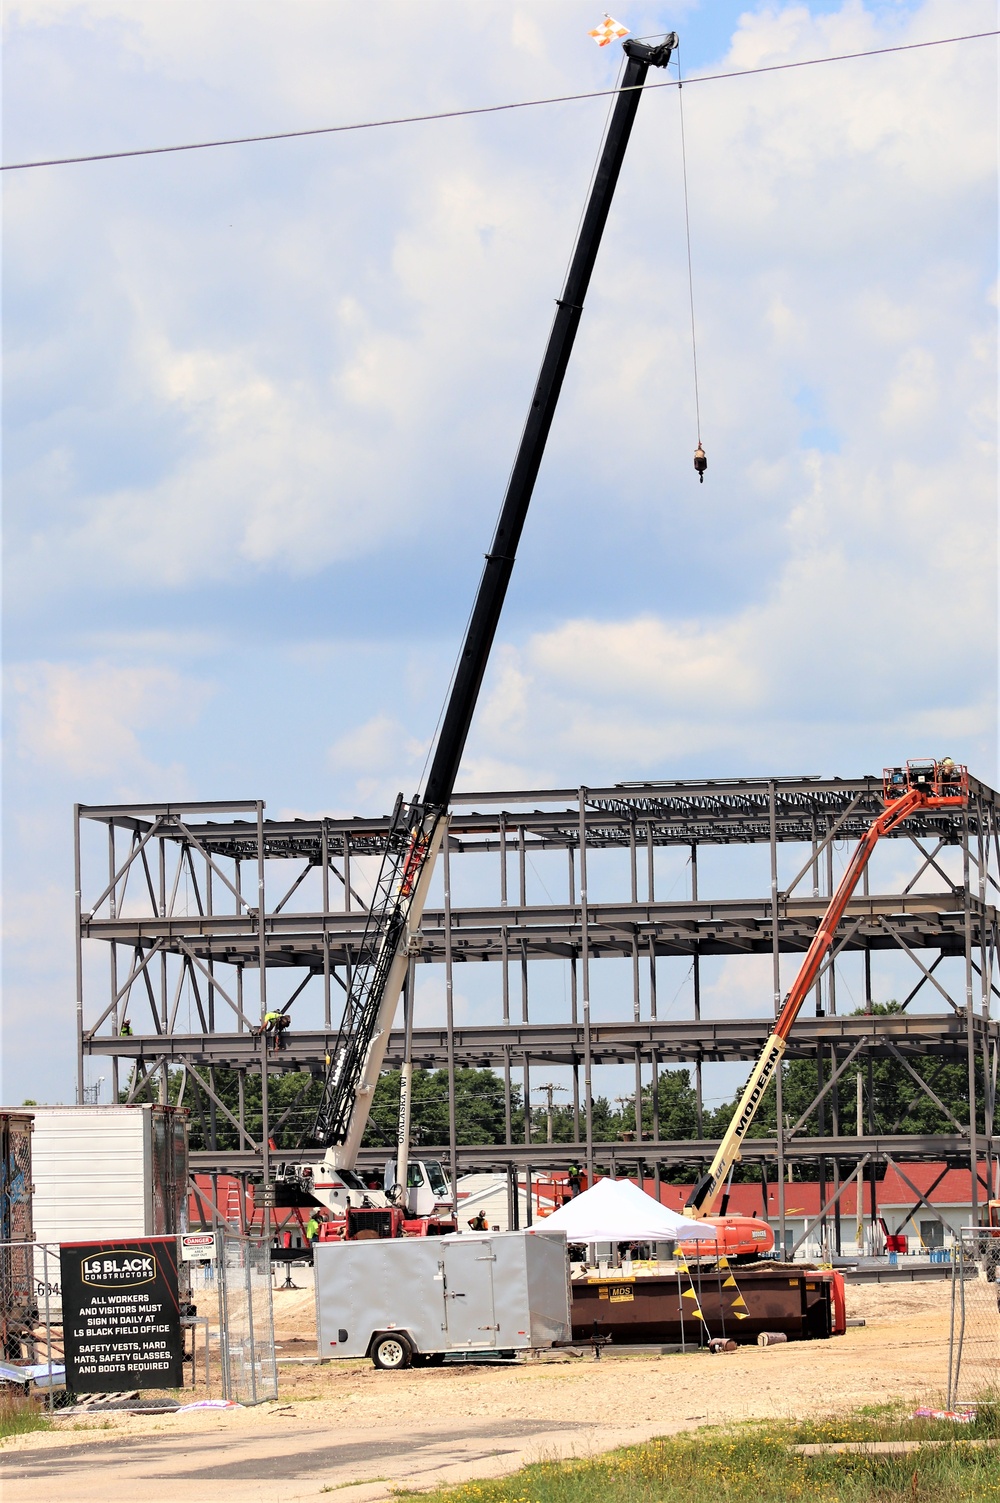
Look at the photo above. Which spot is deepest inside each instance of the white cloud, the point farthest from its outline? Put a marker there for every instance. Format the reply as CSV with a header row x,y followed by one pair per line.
x,y
381,758
385,310
896,644
229,371
84,721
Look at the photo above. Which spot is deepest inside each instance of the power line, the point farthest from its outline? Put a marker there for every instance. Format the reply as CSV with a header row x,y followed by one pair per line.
x,y
485,109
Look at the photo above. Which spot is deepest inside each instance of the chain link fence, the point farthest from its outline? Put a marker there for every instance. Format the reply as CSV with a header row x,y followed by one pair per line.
x,y
17,1271
974,1344
31,1317
246,1320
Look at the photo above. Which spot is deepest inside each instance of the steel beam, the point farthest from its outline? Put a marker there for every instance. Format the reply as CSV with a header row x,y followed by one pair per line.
x,y
684,1153
156,861
553,931
677,1041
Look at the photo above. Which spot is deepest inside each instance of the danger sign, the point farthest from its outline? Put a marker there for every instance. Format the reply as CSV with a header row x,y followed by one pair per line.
x,y
198,1247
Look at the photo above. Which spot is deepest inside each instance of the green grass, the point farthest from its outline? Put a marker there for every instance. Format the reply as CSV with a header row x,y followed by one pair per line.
x,y
337,1487
754,1461
18,1416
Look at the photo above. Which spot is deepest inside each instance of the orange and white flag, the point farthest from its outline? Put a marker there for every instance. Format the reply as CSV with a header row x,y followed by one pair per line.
x,y
609,31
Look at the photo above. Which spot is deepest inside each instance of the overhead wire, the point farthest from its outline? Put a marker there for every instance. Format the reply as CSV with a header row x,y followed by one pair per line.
x,y
487,109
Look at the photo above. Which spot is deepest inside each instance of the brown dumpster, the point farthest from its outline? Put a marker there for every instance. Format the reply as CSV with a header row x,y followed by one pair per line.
x,y
654,1308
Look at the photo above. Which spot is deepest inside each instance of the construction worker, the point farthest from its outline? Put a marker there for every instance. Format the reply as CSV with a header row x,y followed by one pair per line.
x,y
947,771
478,1222
574,1179
275,1024
313,1225
125,1031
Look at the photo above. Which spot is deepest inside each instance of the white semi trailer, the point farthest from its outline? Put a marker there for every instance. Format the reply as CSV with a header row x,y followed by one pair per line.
x,y
108,1171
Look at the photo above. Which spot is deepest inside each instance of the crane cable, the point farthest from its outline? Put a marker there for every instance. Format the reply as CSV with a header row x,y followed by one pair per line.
x,y
700,462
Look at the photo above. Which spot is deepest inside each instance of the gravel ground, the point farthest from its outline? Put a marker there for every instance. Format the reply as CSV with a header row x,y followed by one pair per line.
x,y
901,1352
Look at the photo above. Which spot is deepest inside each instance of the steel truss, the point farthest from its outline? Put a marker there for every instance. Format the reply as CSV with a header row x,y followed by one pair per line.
x,y
177,903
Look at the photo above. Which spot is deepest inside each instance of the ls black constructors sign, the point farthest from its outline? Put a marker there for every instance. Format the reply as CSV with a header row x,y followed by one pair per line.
x,y
121,1318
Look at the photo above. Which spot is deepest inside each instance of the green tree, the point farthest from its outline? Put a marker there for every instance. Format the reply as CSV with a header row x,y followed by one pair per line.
x,y
677,1104
292,1099
894,1103
479,1108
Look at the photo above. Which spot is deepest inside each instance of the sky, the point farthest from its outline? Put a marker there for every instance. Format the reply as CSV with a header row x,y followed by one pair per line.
x,y
260,404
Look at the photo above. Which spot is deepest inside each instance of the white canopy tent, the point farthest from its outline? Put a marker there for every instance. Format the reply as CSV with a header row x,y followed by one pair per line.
x,y
616,1210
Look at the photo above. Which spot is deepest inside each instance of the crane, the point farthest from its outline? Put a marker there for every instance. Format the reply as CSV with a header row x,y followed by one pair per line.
x,y
922,784
417,827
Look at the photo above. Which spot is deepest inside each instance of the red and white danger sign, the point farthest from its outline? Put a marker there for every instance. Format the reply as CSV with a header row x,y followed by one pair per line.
x,y
197,1247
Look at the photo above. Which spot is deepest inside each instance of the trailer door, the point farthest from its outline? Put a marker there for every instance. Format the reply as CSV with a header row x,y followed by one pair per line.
x,y
468,1270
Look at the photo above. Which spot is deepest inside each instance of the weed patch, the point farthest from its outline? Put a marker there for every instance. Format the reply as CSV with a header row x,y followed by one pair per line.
x,y
18,1416
754,1462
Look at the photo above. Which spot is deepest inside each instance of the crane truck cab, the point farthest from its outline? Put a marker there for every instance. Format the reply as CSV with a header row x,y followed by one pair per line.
x,y
358,1211
428,1188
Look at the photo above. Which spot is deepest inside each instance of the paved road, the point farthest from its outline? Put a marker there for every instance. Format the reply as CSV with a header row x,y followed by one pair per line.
x,y
278,1463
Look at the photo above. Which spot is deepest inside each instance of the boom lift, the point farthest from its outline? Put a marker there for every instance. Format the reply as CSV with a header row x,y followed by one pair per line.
x,y
417,828
920,785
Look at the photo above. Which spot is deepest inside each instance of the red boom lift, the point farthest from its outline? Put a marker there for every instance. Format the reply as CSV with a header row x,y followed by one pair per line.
x,y
920,785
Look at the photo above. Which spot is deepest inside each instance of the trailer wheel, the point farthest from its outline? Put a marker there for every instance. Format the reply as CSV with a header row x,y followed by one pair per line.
x,y
392,1352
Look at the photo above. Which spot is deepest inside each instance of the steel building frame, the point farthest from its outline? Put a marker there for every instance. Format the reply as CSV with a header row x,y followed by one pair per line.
x,y
184,899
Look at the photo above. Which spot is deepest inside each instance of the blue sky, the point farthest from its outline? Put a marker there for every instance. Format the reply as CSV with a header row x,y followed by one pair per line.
x,y
260,404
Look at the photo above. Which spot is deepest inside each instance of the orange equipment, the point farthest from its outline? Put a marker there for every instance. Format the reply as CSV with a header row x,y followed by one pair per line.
x,y
921,784
741,1238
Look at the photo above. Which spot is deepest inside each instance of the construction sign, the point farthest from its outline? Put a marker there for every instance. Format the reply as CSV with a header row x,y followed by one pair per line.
x,y
199,1247
121,1315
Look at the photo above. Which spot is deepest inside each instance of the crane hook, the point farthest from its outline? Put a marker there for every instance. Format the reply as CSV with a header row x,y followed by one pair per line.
x,y
700,463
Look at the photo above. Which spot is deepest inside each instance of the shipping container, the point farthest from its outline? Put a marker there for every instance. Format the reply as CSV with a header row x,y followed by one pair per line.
x,y
108,1171
411,1299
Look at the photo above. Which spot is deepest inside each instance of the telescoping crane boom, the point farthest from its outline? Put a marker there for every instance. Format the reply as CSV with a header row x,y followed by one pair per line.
x,y
920,785
417,828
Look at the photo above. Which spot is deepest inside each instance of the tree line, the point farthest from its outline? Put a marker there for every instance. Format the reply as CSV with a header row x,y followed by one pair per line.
x,y
892,1102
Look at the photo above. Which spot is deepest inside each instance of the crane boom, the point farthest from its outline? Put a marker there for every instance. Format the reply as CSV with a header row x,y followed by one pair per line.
x,y
921,785
417,829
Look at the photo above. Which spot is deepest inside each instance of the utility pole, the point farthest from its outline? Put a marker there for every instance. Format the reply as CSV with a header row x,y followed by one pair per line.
x,y
548,1088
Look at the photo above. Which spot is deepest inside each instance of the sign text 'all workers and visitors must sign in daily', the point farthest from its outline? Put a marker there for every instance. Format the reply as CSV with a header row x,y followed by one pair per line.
x,y
121,1315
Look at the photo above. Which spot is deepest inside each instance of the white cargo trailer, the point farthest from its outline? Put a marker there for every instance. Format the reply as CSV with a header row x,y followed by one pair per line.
x,y
108,1171
418,1299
